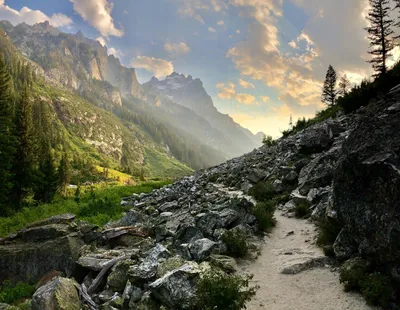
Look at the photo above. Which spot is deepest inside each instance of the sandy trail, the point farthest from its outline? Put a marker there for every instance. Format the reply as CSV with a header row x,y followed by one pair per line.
x,y
314,289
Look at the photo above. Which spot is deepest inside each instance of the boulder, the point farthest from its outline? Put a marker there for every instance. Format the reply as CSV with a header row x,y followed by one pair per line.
x,y
177,288
119,275
366,187
59,294
226,263
344,245
33,252
278,186
202,248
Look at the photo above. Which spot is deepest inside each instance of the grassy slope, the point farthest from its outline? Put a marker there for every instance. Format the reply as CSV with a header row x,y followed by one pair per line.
x,y
97,207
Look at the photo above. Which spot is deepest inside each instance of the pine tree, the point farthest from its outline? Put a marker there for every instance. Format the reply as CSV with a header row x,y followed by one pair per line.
x,y
7,136
380,31
64,174
24,164
344,85
329,90
291,122
397,24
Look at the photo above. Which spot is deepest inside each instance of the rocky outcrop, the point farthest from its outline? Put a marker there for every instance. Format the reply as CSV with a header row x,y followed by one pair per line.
x,y
367,189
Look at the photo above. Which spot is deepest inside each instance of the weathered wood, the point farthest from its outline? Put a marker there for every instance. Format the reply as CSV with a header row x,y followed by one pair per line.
x,y
119,231
96,282
85,297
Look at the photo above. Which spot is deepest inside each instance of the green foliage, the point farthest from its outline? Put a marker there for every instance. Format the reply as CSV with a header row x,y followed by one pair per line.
x,y
302,210
377,290
97,213
236,243
328,232
329,90
268,141
11,294
353,276
217,290
264,212
263,191
375,287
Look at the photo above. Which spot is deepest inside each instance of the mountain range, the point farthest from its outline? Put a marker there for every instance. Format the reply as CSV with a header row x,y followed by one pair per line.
x,y
167,127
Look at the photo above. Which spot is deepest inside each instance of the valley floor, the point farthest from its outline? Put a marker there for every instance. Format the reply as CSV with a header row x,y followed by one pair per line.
x,y
289,247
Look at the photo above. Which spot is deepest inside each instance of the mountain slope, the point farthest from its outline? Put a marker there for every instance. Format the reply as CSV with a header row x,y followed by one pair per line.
x,y
83,65
190,93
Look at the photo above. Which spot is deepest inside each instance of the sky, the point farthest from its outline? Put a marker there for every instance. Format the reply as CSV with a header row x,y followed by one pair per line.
x,y
261,61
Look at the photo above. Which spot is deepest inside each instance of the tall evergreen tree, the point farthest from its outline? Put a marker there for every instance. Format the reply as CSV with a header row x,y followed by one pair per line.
x,y
7,136
329,90
64,174
344,85
24,164
380,32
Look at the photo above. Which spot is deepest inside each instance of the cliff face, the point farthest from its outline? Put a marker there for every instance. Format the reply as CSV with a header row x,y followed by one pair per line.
x,y
72,60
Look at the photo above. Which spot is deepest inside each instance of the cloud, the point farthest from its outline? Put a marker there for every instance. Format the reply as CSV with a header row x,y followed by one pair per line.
x,y
246,84
228,92
265,99
159,67
176,49
196,8
220,23
246,99
102,41
292,44
211,29
98,14
32,16
114,51
238,31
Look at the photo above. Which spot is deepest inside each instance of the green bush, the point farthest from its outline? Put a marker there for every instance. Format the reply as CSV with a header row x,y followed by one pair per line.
x,y
353,275
219,291
10,293
263,191
264,212
328,232
302,210
236,243
269,141
377,290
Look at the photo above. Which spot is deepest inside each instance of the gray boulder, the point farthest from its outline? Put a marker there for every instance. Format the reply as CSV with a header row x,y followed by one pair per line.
x,y
202,248
177,288
59,294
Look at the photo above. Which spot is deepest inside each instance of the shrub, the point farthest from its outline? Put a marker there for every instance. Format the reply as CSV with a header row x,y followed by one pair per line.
x,y
352,275
217,290
236,243
264,212
328,232
302,210
377,290
263,191
10,293
269,141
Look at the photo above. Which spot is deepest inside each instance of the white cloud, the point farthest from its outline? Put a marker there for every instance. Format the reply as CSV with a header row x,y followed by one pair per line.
x,y
32,16
102,41
292,44
176,49
246,84
211,29
159,67
220,23
196,8
98,14
246,99
238,31
114,51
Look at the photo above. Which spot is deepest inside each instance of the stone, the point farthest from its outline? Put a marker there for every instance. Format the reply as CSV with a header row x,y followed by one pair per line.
x,y
315,139
366,186
278,186
291,177
59,294
202,248
170,264
168,206
119,275
297,198
127,294
226,263
344,245
177,288
301,264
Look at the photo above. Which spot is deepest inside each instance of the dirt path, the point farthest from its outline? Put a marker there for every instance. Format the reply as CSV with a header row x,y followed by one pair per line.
x,y
290,249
